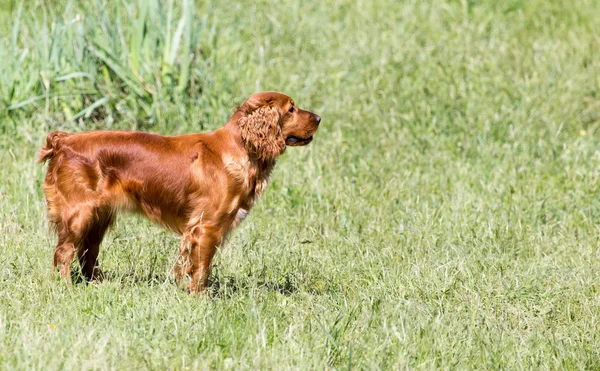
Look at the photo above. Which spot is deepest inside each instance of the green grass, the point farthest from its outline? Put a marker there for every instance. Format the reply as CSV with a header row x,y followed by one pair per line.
x,y
446,215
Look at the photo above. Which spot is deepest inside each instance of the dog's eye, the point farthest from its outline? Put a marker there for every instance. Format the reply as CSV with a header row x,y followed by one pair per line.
x,y
291,110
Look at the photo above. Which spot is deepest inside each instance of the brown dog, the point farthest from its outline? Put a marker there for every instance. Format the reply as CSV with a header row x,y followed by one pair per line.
x,y
199,185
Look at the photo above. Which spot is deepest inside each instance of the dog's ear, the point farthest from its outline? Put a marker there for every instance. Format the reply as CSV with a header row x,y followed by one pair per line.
x,y
261,131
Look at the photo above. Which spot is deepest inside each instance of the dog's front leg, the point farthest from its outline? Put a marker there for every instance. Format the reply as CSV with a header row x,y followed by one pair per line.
x,y
204,241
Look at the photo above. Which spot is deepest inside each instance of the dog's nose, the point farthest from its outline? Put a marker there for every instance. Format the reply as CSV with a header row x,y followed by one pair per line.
x,y
318,119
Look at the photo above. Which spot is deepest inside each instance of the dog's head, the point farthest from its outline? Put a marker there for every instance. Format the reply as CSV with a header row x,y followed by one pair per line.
x,y
269,121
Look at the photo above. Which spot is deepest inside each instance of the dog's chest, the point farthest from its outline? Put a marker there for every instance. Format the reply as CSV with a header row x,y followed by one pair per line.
x,y
241,215
251,179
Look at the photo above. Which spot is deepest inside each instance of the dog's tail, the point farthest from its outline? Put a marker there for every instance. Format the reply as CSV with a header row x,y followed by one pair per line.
x,y
52,146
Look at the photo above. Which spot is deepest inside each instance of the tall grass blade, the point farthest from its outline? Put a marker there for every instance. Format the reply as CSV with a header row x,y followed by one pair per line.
x,y
16,27
75,75
167,47
184,74
115,66
137,37
87,112
176,41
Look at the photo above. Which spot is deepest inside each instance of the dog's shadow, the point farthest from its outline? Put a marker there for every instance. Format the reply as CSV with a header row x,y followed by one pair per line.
x,y
223,287
129,277
219,286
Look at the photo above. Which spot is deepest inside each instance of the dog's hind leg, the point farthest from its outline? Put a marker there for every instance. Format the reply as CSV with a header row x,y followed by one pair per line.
x,y
64,252
72,230
88,250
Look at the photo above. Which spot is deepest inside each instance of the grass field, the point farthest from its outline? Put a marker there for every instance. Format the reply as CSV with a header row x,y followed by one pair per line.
x,y
445,216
